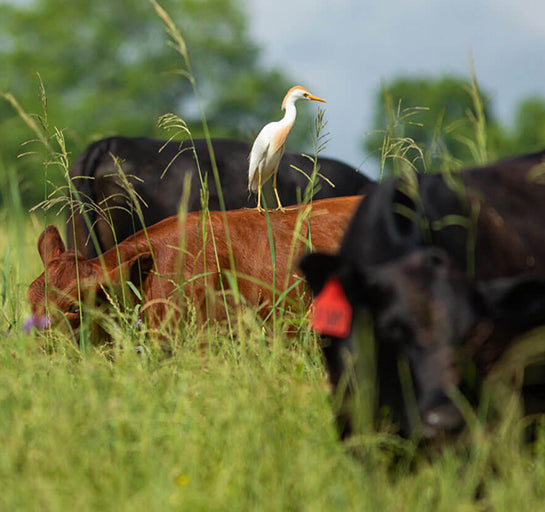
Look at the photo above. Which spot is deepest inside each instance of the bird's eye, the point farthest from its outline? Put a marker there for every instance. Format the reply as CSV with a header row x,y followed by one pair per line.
x,y
73,309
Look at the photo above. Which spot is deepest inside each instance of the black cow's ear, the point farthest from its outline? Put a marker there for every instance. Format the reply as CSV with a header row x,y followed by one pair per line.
x,y
317,268
516,304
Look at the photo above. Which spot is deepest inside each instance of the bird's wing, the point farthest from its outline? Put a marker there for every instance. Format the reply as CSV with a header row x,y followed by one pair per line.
x,y
258,156
266,153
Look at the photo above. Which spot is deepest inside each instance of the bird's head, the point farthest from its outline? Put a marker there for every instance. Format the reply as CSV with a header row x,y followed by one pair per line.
x,y
299,93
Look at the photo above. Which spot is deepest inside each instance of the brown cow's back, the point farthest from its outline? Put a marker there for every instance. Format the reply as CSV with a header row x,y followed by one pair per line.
x,y
250,259
170,259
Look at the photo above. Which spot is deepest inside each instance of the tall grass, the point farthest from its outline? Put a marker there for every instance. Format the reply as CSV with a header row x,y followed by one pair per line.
x,y
234,416
243,426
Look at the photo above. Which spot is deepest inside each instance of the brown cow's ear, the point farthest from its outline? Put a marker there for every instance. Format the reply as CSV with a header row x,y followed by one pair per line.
x,y
50,244
134,270
140,267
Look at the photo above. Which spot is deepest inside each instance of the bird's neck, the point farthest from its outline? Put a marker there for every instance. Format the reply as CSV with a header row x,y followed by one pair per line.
x,y
290,113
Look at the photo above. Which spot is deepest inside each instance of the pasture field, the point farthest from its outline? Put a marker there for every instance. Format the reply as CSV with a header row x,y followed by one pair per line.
x,y
221,421
232,419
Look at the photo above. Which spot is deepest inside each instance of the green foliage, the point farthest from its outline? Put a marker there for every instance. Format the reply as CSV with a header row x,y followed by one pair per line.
x,y
108,70
529,128
445,123
435,116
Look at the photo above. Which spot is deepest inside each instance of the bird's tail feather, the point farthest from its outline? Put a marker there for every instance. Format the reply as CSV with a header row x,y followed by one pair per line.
x,y
253,186
253,181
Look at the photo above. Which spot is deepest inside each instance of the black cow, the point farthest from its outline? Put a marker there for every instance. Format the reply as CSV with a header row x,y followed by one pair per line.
x,y
490,223
428,316
158,171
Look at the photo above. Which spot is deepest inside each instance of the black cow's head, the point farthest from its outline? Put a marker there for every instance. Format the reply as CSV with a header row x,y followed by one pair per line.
x,y
428,320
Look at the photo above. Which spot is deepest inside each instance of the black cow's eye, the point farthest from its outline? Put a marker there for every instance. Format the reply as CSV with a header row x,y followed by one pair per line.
x,y
395,332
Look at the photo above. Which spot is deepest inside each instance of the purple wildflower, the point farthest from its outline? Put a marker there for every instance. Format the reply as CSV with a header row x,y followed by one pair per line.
x,y
38,322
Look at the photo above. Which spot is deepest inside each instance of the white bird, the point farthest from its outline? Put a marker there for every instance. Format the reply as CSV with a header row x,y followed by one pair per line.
x,y
268,147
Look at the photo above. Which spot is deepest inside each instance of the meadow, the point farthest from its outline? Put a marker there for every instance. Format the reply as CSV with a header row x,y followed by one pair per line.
x,y
244,423
236,417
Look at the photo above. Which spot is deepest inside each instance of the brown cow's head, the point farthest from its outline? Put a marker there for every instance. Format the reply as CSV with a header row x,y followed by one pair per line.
x,y
425,316
70,282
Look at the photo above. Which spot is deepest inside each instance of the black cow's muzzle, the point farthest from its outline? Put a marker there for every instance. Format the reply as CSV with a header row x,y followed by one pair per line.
x,y
442,420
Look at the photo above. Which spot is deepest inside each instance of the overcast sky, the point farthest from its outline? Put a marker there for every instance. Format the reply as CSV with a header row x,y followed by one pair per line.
x,y
342,49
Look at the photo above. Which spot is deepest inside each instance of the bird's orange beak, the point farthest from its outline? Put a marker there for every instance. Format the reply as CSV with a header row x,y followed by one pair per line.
x,y
315,98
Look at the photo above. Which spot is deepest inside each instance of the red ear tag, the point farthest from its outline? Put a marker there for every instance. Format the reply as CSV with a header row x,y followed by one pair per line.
x,y
332,313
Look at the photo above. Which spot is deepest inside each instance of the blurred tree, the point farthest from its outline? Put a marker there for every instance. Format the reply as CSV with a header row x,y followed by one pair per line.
x,y
529,129
428,122
107,69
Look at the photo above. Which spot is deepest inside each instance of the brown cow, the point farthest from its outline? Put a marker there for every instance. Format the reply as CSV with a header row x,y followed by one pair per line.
x,y
161,263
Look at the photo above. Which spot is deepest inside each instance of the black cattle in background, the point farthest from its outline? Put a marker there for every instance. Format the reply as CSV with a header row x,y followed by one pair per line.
x,y
489,224
158,169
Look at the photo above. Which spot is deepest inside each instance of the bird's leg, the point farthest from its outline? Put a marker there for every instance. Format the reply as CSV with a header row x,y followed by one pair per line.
x,y
276,194
259,209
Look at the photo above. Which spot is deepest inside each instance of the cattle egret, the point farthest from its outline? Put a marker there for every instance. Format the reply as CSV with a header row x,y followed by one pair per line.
x,y
268,147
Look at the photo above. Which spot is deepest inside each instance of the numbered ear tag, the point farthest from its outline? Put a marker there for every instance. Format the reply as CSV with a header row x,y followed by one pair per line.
x,y
332,313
